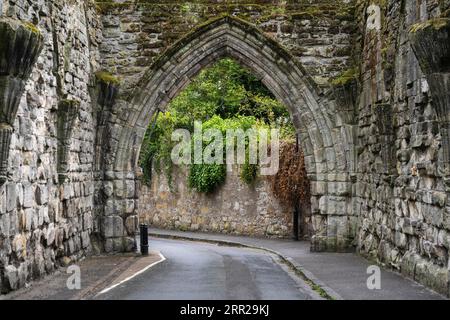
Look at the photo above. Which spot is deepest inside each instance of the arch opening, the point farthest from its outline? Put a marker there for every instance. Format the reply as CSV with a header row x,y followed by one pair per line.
x,y
233,195
326,142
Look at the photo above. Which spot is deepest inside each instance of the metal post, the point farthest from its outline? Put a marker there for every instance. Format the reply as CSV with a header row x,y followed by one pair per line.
x,y
144,239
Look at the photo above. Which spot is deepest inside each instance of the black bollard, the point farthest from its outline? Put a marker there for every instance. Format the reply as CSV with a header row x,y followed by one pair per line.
x,y
144,239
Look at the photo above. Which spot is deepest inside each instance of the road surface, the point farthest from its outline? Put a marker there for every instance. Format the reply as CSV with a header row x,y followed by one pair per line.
x,y
195,271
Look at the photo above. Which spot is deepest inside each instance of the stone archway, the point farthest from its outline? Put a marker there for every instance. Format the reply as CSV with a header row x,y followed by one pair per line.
x,y
325,137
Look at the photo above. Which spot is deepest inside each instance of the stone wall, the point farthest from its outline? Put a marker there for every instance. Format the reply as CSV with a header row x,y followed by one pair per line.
x,y
235,208
45,221
402,192
137,32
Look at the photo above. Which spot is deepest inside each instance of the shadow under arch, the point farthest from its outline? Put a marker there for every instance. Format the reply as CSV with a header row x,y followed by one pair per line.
x,y
326,143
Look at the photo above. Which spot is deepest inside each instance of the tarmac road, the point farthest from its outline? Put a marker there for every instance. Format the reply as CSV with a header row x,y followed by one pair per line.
x,y
200,271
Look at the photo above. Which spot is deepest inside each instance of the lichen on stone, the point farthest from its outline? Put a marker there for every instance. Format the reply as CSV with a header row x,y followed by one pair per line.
x,y
244,25
344,12
106,6
107,77
69,102
30,26
13,24
436,24
346,77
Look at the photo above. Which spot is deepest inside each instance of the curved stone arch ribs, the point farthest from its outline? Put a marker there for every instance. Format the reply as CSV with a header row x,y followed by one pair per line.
x,y
431,46
24,45
312,112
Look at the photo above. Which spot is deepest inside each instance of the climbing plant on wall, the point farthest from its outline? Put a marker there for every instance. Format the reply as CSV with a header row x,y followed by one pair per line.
x,y
291,184
224,96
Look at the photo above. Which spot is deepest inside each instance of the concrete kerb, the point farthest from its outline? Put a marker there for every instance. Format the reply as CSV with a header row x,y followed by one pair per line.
x,y
315,284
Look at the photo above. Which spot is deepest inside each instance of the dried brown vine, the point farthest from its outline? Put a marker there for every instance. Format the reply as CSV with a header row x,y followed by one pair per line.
x,y
291,184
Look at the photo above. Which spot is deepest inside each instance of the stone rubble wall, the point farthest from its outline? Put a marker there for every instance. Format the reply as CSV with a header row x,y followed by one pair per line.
x,y
136,33
401,194
235,208
44,223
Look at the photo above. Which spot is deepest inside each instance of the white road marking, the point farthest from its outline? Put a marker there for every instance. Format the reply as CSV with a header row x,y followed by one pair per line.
x,y
134,275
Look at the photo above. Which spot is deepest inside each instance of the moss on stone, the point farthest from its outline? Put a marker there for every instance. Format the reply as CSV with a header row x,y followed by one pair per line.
x,y
226,18
310,13
345,78
14,24
381,3
436,24
107,77
69,102
32,28
106,6
185,8
344,12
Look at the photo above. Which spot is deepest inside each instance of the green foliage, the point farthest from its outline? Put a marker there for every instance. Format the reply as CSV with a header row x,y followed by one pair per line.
x,y
206,178
249,173
158,145
238,122
226,89
223,96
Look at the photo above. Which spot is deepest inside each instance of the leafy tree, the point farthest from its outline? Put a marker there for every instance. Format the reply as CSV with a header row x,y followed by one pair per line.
x,y
223,96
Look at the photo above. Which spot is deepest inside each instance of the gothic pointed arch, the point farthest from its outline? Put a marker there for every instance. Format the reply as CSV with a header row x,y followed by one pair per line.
x,y
326,141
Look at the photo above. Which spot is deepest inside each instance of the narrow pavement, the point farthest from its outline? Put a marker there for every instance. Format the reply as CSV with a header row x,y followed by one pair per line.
x,y
195,271
342,275
96,273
